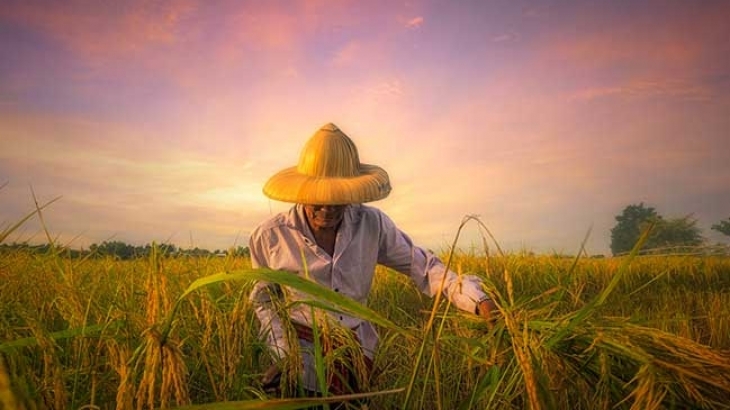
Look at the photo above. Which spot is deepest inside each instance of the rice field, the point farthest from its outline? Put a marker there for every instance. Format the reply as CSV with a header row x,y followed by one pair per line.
x,y
647,332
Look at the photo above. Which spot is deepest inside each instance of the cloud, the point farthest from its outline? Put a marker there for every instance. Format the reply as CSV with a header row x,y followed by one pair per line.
x,y
277,33
111,184
100,32
392,88
646,89
124,162
536,10
189,48
348,54
505,38
677,36
668,54
170,42
264,29
601,50
415,22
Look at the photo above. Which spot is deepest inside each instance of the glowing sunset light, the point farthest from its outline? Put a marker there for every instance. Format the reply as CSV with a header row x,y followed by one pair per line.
x,y
162,120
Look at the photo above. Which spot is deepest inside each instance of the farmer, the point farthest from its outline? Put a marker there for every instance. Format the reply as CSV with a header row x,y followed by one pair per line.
x,y
337,241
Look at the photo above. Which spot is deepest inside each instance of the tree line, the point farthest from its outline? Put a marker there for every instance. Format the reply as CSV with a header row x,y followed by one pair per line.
x,y
664,235
125,251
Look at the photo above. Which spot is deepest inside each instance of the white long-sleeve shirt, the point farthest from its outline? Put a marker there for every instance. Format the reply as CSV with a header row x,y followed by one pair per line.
x,y
365,237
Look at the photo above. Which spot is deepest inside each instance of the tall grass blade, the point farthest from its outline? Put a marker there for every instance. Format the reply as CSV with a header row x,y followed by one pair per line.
x,y
7,398
587,310
6,232
581,251
434,309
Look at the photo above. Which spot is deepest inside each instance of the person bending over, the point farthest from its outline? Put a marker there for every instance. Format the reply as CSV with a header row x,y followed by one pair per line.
x,y
331,236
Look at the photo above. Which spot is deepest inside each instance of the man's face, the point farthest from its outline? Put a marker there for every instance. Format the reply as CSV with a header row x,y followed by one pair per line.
x,y
324,216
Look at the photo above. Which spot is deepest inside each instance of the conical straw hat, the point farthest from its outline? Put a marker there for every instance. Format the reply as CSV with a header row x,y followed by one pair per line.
x,y
329,173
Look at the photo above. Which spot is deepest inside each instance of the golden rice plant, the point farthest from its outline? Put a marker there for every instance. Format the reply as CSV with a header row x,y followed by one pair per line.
x,y
7,397
159,358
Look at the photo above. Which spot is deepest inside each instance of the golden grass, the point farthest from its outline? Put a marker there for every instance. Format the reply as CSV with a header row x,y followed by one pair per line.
x,y
144,334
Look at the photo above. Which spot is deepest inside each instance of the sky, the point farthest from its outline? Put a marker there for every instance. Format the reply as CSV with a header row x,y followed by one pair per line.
x,y
162,120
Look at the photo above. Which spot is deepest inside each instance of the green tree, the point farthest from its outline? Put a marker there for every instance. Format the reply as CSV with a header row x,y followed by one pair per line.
x,y
118,249
126,251
240,251
676,234
723,227
667,235
629,225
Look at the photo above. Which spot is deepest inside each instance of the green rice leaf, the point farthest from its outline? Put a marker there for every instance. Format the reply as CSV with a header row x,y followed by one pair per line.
x,y
323,296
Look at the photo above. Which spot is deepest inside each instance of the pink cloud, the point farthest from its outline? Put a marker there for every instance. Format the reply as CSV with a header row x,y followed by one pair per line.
x,y
392,88
415,22
667,39
99,32
599,50
348,54
200,46
646,88
505,38
276,39
670,54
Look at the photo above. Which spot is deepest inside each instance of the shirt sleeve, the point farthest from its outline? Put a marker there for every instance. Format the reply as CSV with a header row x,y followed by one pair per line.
x,y
263,295
397,251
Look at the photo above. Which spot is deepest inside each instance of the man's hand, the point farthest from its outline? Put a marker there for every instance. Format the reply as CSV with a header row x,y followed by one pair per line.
x,y
488,310
271,379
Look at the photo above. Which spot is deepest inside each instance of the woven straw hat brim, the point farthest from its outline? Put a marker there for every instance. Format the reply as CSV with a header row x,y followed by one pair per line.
x,y
289,185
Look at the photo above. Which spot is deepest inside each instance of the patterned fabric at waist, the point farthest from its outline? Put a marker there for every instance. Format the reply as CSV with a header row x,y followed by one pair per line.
x,y
306,333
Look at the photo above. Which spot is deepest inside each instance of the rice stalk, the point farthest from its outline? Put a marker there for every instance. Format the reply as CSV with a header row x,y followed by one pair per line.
x,y
52,384
119,356
432,317
163,368
206,319
9,230
7,397
589,309
163,374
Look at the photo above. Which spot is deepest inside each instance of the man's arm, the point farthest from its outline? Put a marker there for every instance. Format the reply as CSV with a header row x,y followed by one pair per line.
x,y
398,252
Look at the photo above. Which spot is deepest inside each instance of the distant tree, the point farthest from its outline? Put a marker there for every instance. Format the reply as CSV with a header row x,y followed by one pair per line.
x,y
126,251
675,235
197,252
166,249
723,227
667,235
240,251
118,249
629,225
